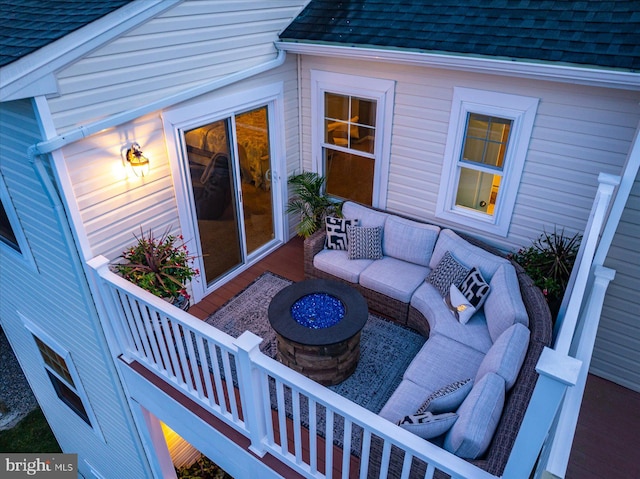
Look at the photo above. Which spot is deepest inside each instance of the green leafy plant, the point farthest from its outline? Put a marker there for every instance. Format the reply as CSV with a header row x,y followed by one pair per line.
x,y
310,202
161,265
549,261
203,468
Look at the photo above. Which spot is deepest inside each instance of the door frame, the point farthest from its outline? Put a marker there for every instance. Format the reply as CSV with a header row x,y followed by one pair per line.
x,y
214,107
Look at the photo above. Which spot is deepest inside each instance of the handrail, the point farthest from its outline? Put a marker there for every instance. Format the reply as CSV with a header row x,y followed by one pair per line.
x,y
178,348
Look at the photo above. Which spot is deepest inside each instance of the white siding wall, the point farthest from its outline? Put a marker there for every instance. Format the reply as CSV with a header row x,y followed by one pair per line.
x,y
578,133
52,298
617,350
112,207
195,42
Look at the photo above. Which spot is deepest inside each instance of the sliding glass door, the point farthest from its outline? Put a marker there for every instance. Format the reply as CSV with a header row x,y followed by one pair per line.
x,y
229,165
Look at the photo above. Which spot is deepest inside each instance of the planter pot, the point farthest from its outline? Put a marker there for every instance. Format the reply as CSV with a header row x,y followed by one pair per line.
x,y
180,302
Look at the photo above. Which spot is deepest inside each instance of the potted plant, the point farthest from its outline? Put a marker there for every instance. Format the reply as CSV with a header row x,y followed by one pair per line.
x,y
161,265
310,202
549,261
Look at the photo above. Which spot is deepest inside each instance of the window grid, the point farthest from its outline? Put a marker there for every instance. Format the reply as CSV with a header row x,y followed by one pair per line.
x,y
55,362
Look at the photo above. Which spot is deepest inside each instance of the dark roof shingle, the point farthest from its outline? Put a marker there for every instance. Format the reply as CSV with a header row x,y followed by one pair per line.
x,y
587,32
28,25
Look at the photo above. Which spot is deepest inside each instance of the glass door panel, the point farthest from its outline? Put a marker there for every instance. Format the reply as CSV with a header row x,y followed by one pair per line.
x,y
214,194
252,135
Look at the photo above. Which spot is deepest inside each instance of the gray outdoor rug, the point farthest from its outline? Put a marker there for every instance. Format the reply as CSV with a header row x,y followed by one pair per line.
x,y
386,349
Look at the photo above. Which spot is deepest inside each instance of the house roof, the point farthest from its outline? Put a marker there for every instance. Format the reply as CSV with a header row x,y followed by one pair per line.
x,y
587,33
28,25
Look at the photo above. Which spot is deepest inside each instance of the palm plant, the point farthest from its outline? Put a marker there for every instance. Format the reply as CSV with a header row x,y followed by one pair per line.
x,y
311,202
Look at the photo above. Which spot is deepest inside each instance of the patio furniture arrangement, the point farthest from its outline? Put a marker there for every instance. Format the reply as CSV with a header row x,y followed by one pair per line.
x,y
318,324
468,388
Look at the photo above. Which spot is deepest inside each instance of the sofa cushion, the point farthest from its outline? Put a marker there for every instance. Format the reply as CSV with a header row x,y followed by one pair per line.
x,y
459,306
475,288
367,216
337,232
337,263
364,243
446,399
466,253
478,417
506,355
504,305
405,400
448,271
409,240
428,425
440,362
475,334
394,278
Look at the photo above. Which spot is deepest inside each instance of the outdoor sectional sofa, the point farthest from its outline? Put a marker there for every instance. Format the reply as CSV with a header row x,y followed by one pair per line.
x,y
471,381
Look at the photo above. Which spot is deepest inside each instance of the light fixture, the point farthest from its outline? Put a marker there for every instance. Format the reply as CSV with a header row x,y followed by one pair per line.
x,y
139,163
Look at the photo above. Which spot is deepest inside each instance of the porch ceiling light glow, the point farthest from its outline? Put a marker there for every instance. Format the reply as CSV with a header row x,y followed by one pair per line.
x,y
138,162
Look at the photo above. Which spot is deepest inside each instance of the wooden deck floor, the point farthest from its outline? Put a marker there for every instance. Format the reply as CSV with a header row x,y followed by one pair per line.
x,y
608,433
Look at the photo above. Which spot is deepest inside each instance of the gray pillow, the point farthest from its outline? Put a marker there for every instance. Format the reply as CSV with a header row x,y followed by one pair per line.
x,y
448,271
446,399
507,354
428,425
364,243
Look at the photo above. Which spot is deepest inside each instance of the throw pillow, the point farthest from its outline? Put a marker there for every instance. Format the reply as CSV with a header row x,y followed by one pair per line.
x,y
459,306
475,288
446,399
364,243
337,232
428,425
447,272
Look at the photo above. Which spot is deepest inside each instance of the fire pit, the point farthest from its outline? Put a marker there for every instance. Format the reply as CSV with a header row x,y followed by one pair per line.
x,y
318,324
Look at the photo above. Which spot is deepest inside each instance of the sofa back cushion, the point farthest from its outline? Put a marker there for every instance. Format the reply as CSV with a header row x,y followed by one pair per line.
x,y
503,306
478,417
368,217
468,254
409,240
506,355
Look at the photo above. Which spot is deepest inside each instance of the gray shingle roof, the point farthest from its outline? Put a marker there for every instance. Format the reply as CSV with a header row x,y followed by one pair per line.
x,y
583,32
27,25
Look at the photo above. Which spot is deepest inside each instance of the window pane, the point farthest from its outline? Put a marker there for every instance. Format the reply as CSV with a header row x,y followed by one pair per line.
x,y
365,110
349,176
6,231
486,140
477,190
69,397
365,139
54,361
336,107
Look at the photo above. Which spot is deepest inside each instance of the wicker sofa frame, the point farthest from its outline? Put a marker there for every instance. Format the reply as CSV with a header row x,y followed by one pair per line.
x,y
517,400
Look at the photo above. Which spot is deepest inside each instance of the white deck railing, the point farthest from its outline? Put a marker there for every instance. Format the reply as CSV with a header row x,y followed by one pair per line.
x,y
257,396
213,369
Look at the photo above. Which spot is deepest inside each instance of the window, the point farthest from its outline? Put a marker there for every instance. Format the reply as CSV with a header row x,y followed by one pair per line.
x,y
352,134
61,378
7,236
486,148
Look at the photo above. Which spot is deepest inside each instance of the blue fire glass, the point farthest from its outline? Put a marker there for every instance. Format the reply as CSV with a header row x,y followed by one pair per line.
x,y
318,310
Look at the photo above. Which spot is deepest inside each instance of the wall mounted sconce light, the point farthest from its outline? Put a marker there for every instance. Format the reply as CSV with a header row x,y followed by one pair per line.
x,y
138,162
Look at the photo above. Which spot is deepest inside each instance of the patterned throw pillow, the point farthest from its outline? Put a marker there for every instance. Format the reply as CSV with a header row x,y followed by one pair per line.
x,y
447,272
475,288
459,305
428,425
448,398
337,232
364,243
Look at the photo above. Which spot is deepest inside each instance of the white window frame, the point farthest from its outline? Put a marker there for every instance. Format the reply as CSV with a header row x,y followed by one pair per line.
x,y
77,388
382,91
25,255
522,111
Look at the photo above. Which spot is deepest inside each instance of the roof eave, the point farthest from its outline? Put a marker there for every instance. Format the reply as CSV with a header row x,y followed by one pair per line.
x,y
33,74
557,72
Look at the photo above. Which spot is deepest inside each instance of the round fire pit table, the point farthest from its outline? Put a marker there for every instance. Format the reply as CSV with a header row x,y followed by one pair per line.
x,y
318,324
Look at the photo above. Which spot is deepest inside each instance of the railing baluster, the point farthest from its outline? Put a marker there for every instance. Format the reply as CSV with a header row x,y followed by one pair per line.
x,y
297,442
346,449
313,439
233,405
328,447
282,419
180,334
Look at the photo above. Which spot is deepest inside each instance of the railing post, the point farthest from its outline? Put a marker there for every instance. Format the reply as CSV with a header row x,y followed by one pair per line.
x,y
557,372
103,296
560,447
251,394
